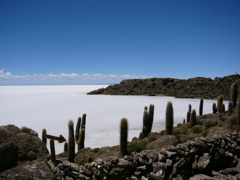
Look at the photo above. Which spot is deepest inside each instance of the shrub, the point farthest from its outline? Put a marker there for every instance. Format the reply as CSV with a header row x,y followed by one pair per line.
x,y
30,131
204,133
196,130
137,147
209,124
152,138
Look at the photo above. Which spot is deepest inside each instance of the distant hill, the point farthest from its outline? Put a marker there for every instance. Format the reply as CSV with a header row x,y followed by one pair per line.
x,y
181,88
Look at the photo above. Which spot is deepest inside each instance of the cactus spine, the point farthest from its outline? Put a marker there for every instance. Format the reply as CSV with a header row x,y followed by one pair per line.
x,y
71,142
52,148
201,107
214,108
233,94
230,108
150,117
193,118
44,139
219,104
123,136
169,118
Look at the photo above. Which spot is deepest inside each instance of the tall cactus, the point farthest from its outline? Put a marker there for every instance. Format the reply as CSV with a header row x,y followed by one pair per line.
x,y
44,139
190,108
145,123
65,147
77,131
169,118
230,108
53,154
238,110
123,136
233,94
219,104
223,108
201,107
188,116
214,108
82,133
71,142
193,118
150,117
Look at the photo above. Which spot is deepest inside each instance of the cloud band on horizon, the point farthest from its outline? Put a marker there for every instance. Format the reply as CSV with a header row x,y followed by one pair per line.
x,y
7,78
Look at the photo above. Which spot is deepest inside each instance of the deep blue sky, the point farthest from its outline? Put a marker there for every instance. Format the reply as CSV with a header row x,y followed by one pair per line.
x,y
159,38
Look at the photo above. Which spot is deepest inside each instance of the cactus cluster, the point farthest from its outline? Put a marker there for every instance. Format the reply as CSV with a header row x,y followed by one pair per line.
x,y
169,118
148,116
123,136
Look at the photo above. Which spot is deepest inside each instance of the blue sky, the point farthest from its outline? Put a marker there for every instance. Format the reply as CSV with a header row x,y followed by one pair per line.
x,y
117,38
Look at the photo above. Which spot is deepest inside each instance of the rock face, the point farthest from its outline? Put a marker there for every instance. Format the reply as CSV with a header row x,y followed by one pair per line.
x,y
190,88
24,154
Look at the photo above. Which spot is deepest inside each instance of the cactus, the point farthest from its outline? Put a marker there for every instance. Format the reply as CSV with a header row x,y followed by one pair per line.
x,y
44,139
52,148
190,108
219,104
123,136
150,117
188,116
193,118
71,142
169,118
184,121
82,139
145,123
77,131
238,111
146,108
223,108
201,107
230,108
65,147
233,94
214,108
83,121
82,133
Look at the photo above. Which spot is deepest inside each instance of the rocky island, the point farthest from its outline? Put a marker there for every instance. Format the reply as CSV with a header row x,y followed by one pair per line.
x,y
182,88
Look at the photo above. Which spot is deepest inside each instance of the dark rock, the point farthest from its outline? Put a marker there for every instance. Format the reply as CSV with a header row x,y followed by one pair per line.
x,y
28,170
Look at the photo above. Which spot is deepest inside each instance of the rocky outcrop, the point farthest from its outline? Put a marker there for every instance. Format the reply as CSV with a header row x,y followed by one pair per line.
x,y
189,88
22,156
215,157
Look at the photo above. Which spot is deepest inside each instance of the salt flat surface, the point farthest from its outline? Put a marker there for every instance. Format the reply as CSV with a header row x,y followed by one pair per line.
x,y
51,107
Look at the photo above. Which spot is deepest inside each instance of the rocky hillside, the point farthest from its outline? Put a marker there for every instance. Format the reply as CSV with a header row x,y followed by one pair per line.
x,y
189,88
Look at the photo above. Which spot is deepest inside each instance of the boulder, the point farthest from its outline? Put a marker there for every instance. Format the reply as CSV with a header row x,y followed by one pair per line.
x,y
163,141
217,131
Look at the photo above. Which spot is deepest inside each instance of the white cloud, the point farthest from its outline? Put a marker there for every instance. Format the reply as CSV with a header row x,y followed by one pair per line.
x,y
73,78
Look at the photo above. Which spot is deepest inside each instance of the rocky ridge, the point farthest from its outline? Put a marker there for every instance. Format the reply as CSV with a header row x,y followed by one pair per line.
x,y
181,88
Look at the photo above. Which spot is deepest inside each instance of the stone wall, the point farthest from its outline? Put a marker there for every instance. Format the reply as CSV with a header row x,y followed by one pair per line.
x,y
213,157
